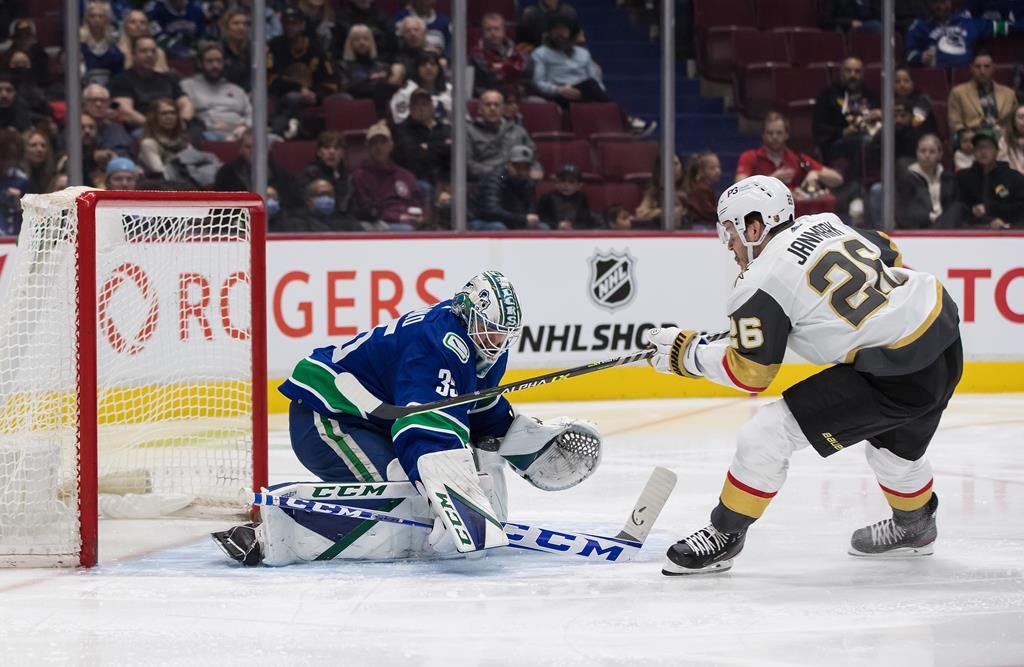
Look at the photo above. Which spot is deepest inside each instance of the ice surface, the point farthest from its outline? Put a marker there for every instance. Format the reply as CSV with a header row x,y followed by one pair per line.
x,y
164,594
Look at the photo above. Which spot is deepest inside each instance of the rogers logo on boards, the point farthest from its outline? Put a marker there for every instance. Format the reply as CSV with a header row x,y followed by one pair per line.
x,y
194,300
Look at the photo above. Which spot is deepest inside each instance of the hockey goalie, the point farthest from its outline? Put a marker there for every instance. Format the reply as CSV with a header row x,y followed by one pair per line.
x,y
443,466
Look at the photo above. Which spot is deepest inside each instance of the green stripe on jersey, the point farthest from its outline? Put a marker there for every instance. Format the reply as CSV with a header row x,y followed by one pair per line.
x,y
320,380
358,463
432,421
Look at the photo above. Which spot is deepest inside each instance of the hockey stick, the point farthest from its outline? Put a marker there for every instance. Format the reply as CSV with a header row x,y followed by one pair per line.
x,y
623,546
392,412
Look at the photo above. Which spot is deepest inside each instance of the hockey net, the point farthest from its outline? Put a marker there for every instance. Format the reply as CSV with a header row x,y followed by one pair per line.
x,y
132,367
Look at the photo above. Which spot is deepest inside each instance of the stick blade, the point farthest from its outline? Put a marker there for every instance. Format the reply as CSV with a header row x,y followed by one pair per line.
x,y
648,506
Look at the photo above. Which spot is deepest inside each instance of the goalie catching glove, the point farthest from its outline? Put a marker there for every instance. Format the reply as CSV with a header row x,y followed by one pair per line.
x,y
554,455
675,350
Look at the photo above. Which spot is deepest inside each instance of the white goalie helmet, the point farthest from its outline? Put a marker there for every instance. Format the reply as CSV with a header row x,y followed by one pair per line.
x,y
489,306
766,195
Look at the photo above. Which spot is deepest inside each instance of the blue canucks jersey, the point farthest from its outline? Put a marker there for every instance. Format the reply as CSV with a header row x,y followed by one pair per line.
x,y
423,356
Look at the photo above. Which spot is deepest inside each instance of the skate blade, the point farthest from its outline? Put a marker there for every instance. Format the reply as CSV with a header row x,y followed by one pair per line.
x,y
670,569
902,552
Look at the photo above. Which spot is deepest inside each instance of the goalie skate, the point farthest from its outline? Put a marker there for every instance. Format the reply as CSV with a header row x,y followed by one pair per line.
x,y
240,544
706,551
906,534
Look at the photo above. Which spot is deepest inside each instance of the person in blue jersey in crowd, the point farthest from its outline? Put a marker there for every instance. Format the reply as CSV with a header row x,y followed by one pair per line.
x,y
452,348
945,39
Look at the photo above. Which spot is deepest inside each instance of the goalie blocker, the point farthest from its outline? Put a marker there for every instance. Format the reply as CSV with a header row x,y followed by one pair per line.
x,y
461,492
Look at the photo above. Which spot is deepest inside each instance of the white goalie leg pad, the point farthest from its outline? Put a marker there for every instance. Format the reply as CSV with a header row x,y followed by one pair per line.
x,y
553,455
492,481
764,445
450,481
898,474
286,541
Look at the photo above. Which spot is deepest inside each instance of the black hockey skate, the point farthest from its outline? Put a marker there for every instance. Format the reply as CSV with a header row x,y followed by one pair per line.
x,y
240,543
905,534
706,551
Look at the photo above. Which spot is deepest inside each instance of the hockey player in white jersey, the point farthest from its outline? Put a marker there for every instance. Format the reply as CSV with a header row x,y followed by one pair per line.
x,y
833,295
453,459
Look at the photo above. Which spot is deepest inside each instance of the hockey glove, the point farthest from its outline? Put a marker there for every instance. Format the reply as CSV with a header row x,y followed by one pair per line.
x,y
675,351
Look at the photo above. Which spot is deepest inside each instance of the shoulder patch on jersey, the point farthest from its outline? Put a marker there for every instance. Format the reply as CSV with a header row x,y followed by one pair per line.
x,y
455,343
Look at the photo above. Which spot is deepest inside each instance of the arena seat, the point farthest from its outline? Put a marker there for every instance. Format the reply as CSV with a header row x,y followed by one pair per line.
x,y
349,116
553,154
815,46
627,160
597,121
543,120
293,156
780,13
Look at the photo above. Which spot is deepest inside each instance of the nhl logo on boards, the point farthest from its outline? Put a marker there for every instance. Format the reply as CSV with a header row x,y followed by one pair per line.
x,y
612,279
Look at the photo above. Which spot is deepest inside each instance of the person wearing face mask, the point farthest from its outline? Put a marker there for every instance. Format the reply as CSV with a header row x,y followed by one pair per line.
x,y
222,107
277,217
14,113
330,165
29,94
319,213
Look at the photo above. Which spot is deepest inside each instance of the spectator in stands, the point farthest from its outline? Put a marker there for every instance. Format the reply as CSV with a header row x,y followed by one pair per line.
x,y
134,89
616,217
851,15
319,21
906,138
320,213
490,137
112,134
234,31
361,72
991,190
362,12
178,26
277,217
121,174
775,158
963,157
100,54
386,194
163,138
14,113
1011,143
271,17
40,161
566,73
702,172
330,166
222,107
439,26
993,10
505,197
926,192
919,103
535,20
134,26
236,176
300,73
846,116
31,95
947,40
94,158
512,113
428,76
23,38
412,42
497,63
13,181
567,206
980,102
423,145
648,213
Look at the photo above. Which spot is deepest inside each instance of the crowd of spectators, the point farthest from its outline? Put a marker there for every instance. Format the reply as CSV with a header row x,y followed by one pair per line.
x,y
167,92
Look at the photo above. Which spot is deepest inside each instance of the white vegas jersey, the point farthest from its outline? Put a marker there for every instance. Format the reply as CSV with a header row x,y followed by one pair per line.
x,y
833,295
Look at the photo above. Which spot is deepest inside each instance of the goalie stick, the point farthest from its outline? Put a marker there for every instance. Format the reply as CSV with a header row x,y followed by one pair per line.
x,y
390,412
626,544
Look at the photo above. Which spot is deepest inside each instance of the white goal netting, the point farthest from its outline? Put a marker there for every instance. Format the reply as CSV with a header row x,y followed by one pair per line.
x,y
171,314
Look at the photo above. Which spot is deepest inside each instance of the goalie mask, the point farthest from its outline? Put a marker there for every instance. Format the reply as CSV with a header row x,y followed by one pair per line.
x,y
765,195
490,309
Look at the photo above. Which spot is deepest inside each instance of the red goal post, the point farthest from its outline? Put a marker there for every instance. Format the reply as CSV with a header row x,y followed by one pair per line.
x,y
132,365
